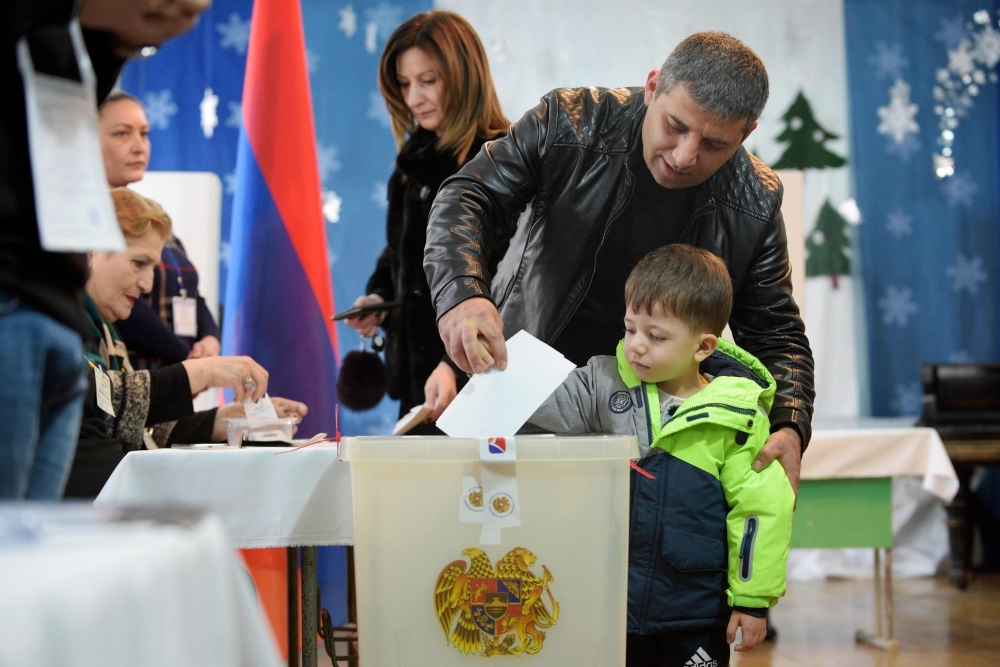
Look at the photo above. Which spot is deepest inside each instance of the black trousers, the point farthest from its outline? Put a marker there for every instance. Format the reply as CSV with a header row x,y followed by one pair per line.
x,y
697,647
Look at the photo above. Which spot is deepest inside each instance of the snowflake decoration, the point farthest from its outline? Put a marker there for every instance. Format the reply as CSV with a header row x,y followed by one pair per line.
x,y
224,253
229,181
379,195
332,258
209,109
897,305
385,17
159,108
312,61
962,59
988,46
499,49
331,206
973,50
328,161
235,114
966,273
235,34
888,61
958,190
906,149
377,110
952,32
897,116
348,21
899,223
371,38
909,398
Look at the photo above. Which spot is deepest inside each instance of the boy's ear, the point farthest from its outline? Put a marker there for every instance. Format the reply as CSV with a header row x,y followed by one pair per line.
x,y
709,343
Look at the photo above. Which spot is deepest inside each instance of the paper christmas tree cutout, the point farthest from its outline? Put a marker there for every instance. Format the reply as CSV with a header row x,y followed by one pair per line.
x,y
829,245
805,138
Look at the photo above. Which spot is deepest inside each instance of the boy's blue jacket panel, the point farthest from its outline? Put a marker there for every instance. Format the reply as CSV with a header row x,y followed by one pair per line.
x,y
707,532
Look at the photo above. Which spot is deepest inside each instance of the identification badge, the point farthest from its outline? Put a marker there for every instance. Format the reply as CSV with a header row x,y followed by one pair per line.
x,y
185,316
103,383
72,200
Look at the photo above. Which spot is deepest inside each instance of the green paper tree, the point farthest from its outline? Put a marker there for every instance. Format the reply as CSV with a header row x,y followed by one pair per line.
x,y
829,245
805,138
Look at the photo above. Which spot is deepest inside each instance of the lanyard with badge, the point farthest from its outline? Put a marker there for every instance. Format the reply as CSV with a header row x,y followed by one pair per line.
x,y
185,309
103,385
72,202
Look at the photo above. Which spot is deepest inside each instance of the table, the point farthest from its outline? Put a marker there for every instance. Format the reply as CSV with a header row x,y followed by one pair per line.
x,y
109,588
845,496
265,497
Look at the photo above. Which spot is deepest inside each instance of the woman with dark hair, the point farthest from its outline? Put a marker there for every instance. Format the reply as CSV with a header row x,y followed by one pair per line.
x,y
436,82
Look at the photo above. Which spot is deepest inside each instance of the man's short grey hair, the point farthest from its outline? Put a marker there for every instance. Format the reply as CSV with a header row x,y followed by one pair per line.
x,y
721,73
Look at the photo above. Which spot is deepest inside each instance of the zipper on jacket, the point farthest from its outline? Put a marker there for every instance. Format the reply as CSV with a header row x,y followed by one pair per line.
x,y
746,548
725,406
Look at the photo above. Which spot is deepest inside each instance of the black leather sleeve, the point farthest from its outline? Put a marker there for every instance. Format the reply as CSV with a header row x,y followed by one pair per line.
x,y
479,204
766,322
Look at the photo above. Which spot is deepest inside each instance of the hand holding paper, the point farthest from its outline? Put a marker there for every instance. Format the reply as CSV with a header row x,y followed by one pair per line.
x,y
500,402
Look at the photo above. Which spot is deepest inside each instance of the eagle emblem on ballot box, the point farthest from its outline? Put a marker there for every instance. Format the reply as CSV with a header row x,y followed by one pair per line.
x,y
495,611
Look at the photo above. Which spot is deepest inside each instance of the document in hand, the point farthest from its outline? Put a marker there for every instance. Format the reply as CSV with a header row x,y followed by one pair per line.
x,y
500,402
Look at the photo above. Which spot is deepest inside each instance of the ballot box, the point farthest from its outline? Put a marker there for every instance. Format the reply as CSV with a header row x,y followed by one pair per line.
x,y
433,590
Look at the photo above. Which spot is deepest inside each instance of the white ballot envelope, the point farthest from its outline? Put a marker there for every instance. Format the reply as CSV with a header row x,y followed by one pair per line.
x,y
500,402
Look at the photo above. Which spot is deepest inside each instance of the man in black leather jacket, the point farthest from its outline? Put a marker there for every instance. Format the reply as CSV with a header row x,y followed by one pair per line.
x,y
593,179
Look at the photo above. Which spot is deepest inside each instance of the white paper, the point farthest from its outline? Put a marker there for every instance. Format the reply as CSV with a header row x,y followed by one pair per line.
x,y
500,402
72,201
185,316
103,383
262,410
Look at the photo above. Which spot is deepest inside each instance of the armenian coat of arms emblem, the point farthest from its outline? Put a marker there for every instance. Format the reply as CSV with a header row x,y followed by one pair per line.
x,y
495,611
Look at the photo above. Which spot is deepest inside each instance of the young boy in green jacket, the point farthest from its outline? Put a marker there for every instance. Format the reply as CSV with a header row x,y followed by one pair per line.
x,y
708,536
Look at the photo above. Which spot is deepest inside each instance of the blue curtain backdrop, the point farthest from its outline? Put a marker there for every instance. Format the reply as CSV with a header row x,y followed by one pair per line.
x,y
930,247
356,151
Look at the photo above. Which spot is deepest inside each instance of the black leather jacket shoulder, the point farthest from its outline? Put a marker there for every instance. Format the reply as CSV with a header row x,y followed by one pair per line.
x,y
558,180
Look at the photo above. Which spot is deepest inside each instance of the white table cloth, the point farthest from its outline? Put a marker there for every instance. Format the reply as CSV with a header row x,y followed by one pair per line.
x,y
880,448
76,589
922,477
266,497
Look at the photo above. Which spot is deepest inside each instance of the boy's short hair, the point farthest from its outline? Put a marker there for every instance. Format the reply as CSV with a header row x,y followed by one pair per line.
x,y
689,283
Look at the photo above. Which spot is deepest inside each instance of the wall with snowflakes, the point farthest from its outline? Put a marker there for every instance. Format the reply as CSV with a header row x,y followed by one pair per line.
x,y
890,103
924,124
192,90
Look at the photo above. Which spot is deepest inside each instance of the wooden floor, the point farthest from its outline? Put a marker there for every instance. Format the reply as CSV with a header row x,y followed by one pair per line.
x,y
936,625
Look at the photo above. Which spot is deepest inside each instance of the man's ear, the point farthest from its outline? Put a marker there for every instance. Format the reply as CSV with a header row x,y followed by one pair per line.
x,y
709,343
650,89
750,131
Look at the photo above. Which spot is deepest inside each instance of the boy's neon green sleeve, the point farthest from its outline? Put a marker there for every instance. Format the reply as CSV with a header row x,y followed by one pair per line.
x,y
759,526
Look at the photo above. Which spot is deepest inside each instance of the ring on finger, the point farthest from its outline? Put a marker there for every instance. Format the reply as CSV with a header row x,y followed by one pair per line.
x,y
249,384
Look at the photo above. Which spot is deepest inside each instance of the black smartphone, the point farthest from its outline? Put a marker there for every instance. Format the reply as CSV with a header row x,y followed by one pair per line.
x,y
365,310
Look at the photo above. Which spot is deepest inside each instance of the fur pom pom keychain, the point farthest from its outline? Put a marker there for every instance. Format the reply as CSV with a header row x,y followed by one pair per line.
x,y
363,378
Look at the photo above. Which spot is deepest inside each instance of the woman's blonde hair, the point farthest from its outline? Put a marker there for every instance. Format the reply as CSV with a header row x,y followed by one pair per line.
x,y
136,214
471,106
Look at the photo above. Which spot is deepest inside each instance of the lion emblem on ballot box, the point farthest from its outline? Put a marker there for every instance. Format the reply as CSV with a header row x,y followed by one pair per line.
x,y
498,611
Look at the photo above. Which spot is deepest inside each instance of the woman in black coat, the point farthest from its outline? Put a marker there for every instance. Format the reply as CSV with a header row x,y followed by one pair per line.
x,y
437,86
